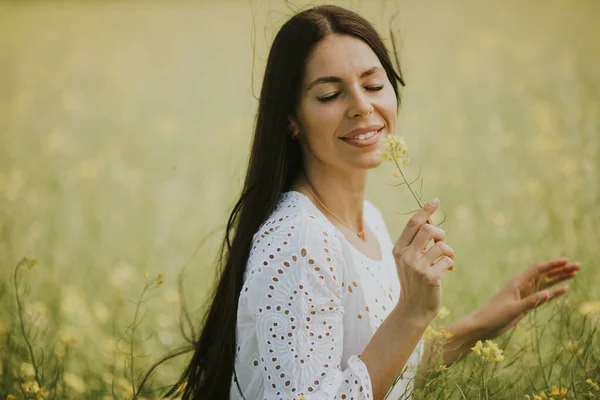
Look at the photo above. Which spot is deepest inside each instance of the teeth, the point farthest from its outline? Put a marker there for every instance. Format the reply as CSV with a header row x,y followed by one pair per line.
x,y
364,136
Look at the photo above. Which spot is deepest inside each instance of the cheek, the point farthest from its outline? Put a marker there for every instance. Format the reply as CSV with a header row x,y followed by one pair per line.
x,y
322,119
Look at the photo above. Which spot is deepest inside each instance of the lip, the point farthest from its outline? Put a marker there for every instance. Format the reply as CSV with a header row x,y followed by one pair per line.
x,y
364,142
358,131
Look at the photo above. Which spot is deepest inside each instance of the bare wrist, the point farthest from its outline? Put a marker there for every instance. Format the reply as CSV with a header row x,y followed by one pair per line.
x,y
408,316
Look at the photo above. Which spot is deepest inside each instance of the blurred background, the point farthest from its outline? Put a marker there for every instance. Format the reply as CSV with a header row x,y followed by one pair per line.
x,y
125,129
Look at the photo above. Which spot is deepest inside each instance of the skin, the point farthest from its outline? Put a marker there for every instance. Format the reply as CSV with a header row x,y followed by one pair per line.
x,y
338,172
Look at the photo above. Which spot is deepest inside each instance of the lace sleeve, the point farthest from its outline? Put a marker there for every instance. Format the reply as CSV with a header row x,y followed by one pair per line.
x,y
296,296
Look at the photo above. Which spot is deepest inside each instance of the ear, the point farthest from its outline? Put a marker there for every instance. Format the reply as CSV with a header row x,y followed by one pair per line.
x,y
294,125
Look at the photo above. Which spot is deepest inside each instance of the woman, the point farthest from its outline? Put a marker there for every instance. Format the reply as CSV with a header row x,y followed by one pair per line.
x,y
314,298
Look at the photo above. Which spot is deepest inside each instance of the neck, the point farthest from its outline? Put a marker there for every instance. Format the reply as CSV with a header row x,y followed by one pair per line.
x,y
341,194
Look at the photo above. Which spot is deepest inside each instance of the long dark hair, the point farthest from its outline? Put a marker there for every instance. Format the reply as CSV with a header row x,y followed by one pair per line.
x,y
275,161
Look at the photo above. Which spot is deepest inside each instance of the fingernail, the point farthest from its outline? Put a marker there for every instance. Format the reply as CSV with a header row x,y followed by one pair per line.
x,y
434,202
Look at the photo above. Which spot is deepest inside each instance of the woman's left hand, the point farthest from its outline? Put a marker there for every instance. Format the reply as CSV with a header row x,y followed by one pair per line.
x,y
520,295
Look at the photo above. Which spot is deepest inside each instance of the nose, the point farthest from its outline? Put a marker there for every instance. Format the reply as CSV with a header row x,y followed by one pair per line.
x,y
360,105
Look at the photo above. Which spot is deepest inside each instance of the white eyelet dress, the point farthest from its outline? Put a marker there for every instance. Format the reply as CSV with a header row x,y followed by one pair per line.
x,y
309,306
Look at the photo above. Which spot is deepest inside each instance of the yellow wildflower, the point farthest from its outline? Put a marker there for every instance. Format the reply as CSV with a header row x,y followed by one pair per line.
x,y
543,396
490,351
27,369
30,387
527,397
432,333
68,340
160,279
536,397
74,382
442,367
395,149
589,307
11,397
301,397
443,312
395,174
558,392
593,384
42,394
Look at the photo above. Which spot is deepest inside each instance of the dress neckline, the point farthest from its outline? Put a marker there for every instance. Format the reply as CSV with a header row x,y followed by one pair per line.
x,y
340,233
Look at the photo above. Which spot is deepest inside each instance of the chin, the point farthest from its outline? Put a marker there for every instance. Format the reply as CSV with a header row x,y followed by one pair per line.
x,y
370,161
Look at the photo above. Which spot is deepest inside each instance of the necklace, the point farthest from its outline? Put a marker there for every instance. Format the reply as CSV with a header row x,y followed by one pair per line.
x,y
360,234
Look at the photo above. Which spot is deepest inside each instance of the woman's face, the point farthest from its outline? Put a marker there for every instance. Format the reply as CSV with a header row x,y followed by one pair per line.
x,y
345,92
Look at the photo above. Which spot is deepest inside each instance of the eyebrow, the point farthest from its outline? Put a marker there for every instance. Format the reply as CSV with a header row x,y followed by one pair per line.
x,y
335,79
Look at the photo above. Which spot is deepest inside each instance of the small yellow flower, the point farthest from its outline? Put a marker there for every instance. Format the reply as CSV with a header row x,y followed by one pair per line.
x,y
490,351
74,382
443,312
68,340
593,384
42,394
485,352
395,174
536,397
589,307
160,279
395,149
442,367
543,396
27,369
30,387
477,348
527,397
11,397
301,397
555,391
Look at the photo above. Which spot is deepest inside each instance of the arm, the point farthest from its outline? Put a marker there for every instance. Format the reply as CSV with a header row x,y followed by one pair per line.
x,y
520,295
297,298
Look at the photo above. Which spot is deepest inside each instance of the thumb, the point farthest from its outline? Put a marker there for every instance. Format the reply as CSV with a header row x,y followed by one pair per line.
x,y
534,300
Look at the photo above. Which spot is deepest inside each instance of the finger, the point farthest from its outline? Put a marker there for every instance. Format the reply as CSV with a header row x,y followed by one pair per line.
x,y
415,223
424,236
544,267
539,298
437,250
557,279
570,267
445,263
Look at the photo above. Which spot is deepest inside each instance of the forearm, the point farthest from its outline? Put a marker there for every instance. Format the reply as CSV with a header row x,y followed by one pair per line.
x,y
390,348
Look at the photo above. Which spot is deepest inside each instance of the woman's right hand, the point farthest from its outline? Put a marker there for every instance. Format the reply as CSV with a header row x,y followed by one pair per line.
x,y
419,270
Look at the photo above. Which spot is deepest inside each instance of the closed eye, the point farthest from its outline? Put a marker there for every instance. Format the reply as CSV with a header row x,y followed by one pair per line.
x,y
334,95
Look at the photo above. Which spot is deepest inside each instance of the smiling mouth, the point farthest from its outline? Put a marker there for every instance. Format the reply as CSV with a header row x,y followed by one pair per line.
x,y
363,136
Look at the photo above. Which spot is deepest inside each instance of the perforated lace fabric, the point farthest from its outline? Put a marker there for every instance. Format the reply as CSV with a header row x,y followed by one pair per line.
x,y
309,306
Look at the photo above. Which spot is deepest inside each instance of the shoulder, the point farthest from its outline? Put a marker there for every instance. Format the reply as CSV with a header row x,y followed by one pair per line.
x,y
295,242
292,226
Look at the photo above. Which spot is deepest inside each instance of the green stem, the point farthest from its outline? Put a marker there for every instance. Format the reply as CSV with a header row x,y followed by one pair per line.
x,y
407,184
131,341
22,324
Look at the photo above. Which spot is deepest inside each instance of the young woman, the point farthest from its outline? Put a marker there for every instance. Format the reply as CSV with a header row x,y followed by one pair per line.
x,y
315,299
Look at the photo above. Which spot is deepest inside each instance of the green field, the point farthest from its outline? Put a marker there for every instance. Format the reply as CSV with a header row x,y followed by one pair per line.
x,y
125,129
